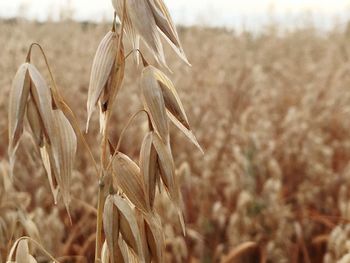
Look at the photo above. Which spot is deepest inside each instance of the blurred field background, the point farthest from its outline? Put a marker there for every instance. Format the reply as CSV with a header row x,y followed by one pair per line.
x,y
272,112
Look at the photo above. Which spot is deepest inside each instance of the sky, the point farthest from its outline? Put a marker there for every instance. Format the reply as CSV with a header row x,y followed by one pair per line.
x,y
229,13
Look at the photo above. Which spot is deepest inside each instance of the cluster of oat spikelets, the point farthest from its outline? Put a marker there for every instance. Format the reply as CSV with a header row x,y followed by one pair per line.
x,y
271,113
126,188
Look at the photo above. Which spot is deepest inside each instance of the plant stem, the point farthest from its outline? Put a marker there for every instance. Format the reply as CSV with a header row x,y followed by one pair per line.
x,y
104,147
100,205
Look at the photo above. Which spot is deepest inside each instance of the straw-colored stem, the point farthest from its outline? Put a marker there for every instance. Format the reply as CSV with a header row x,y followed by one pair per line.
x,y
104,159
100,206
131,119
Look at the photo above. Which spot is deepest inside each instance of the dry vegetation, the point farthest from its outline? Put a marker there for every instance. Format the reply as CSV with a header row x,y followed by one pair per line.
x,y
271,112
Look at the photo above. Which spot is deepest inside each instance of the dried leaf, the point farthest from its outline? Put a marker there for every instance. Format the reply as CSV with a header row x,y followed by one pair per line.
x,y
154,102
128,178
148,167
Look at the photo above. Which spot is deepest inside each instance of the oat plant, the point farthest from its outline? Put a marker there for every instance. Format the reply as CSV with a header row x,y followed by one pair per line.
x,y
128,227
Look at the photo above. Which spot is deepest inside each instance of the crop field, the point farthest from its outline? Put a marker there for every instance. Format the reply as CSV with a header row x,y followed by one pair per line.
x,y
271,112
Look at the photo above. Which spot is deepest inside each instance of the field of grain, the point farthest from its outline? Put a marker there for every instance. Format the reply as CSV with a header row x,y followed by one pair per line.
x,y
271,111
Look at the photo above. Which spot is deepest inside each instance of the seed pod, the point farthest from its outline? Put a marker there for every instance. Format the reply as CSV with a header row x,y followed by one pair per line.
x,y
128,178
18,101
148,167
154,102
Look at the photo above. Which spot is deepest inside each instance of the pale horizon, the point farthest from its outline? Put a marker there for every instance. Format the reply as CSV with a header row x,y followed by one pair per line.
x,y
250,14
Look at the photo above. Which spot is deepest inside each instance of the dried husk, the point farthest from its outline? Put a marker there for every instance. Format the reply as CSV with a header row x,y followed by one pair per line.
x,y
35,123
128,226
175,109
148,18
111,228
46,162
188,133
154,102
171,98
111,89
101,70
141,225
148,167
167,172
64,150
166,27
142,20
155,237
41,95
18,100
22,252
128,178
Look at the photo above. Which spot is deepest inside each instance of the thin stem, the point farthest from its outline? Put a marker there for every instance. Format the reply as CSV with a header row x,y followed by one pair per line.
x,y
99,219
144,61
104,144
131,119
